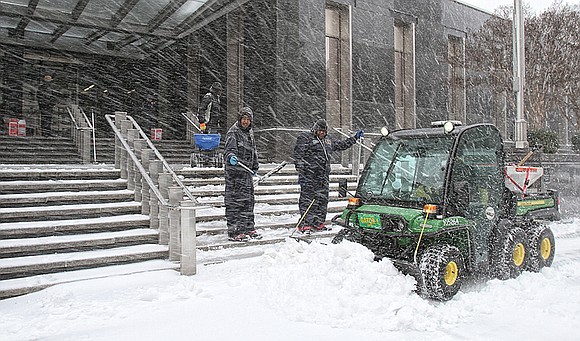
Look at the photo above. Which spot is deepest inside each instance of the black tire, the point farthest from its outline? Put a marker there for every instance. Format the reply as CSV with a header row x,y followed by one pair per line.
x,y
510,254
442,272
542,248
345,233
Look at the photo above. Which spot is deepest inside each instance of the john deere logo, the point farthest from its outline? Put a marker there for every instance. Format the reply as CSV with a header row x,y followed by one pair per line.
x,y
369,220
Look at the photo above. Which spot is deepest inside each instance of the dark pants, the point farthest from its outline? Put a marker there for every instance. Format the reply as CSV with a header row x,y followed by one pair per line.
x,y
239,202
315,193
46,121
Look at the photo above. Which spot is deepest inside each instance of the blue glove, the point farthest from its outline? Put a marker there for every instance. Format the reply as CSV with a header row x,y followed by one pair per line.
x,y
255,173
233,160
359,134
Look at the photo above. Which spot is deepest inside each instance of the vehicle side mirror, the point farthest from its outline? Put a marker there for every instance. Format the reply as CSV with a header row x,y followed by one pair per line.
x,y
342,188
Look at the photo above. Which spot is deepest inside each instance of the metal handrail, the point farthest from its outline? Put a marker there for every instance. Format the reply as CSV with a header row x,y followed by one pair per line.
x,y
90,127
281,129
144,173
72,117
161,158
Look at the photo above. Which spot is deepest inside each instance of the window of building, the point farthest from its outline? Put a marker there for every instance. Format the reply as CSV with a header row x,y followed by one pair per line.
x,y
338,65
456,78
338,68
404,75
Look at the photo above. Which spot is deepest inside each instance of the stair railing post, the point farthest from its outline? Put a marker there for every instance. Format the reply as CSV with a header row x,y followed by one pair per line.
x,y
165,181
132,135
155,168
120,116
188,243
139,145
146,155
175,197
85,144
125,126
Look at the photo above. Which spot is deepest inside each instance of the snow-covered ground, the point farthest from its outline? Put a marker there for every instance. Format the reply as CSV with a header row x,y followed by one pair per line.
x,y
299,291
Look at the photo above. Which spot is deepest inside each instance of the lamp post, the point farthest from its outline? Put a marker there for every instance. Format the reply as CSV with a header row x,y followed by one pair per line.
x,y
521,132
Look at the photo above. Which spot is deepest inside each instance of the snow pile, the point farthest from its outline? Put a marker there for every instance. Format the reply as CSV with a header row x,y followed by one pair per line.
x,y
340,285
298,291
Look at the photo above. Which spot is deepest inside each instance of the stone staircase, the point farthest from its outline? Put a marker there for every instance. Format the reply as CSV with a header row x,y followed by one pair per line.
x,y
38,150
62,150
174,151
52,221
80,221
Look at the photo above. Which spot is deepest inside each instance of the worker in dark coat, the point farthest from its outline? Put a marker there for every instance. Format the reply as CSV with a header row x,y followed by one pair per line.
x,y
47,96
312,154
240,151
209,111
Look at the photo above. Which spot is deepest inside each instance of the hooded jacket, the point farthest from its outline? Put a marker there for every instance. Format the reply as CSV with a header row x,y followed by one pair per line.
x,y
210,105
240,142
312,156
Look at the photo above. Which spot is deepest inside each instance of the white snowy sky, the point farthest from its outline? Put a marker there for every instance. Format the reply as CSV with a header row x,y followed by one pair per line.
x,y
491,5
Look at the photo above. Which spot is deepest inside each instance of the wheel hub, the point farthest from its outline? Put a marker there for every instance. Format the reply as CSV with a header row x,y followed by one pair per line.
x,y
519,254
546,248
451,273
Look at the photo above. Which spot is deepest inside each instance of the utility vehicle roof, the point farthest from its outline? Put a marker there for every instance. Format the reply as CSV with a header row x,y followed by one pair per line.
x,y
431,132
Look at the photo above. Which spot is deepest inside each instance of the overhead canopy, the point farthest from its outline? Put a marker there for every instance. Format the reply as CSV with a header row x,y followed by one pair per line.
x,y
131,28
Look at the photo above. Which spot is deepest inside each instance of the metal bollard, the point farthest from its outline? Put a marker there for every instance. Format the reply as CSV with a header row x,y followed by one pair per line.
x,y
175,197
188,243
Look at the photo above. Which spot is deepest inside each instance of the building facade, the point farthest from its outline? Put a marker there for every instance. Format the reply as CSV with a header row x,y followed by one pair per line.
x,y
357,63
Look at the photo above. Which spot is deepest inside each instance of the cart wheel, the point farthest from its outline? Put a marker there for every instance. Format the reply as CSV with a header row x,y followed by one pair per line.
x,y
197,160
219,160
193,161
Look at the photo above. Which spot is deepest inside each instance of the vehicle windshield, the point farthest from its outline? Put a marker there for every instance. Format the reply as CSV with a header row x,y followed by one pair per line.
x,y
409,170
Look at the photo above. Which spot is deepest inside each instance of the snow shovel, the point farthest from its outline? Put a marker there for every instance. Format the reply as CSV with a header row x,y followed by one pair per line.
x,y
270,173
299,222
245,167
191,122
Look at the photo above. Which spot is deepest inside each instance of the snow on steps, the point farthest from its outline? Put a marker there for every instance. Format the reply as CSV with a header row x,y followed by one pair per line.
x,y
56,222
112,228
22,286
77,242
55,227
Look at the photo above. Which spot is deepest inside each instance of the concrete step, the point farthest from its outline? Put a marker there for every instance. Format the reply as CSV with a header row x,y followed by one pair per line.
x,y
216,214
273,180
279,199
38,150
32,186
76,243
260,190
63,198
43,228
212,172
25,266
32,172
38,213
23,286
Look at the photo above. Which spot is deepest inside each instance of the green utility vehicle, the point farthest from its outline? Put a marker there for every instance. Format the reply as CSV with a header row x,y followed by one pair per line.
x,y
439,203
